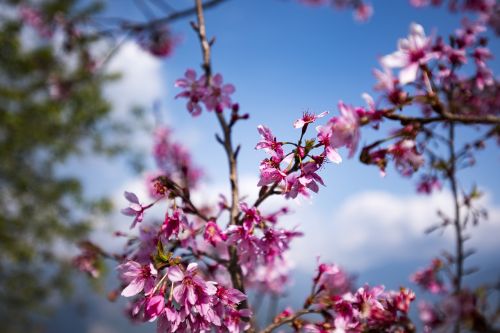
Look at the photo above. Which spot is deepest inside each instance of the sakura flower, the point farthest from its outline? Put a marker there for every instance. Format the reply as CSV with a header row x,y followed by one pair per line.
x,y
137,277
309,177
234,322
484,77
427,184
428,278
308,118
154,307
229,296
34,18
213,234
467,35
170,320
218,94
248,244
275,242
135,208
194,91
88,260
411,54
403,299
386,80
480,55
419,3
173,222
191,288
332,279
293,187
270,172
251,215
345,129
406,157
268,142
367,300
428,315
363,12
324,136
158,41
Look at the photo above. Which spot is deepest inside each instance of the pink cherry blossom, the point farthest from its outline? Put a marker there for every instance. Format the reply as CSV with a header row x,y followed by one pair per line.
x,y
218,96
270,172
308,118
34,18
158,41
154,307
213,233
406,157
324,137
428,184
192,289
135,208
363,12
173,223
411,54
194,90
137,277
428,278
269,143
345,129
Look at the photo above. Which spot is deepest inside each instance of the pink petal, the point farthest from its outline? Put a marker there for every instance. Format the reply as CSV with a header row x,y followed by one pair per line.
x,y
408,74
299,123
394,60
333,155
191,295
190,74
175,274
133,288
179,292
228,88
131,197
192,267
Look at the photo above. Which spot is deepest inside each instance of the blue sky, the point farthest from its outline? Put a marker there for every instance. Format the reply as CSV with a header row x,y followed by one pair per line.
x,y
285,58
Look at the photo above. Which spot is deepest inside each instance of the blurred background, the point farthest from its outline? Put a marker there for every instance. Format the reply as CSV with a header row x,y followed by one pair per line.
x,y
73,139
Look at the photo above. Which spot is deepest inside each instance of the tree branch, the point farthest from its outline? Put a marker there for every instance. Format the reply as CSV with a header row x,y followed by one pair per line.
x,y
234,268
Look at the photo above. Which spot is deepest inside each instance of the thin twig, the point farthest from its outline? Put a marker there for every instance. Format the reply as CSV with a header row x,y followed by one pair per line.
x,y
287,320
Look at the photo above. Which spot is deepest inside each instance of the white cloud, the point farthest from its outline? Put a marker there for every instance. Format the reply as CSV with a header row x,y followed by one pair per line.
x,y
142,80
374,228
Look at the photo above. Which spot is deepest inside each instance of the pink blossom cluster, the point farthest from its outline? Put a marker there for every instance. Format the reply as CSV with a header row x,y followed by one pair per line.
x,y
488,10
344,309
296,172
180,299
35,19
214,95
183,299
173,161
453,307
431,66
429,279
157,40
432,76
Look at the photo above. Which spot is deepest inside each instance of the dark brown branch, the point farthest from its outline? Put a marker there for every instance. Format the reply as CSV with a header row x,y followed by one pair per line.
x,y
459,255
445,117
287,320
